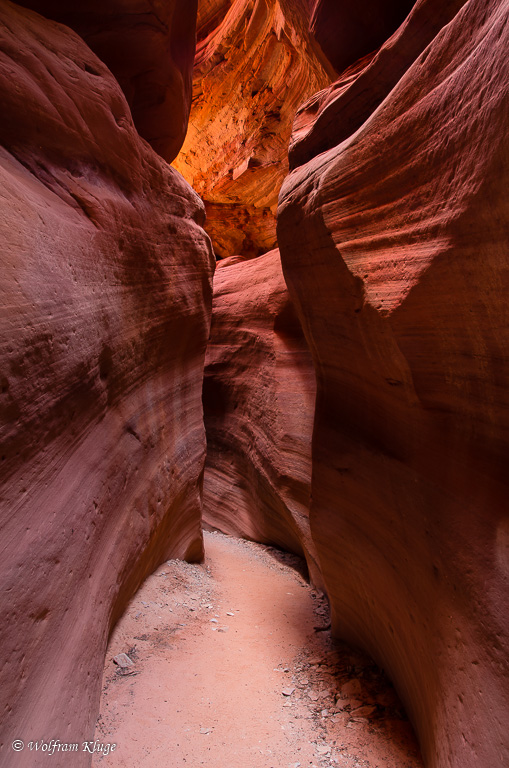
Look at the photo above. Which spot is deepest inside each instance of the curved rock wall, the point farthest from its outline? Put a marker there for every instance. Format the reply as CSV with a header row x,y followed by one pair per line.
x,y
105,296
149,46
349,30
394,246
255,63
258,398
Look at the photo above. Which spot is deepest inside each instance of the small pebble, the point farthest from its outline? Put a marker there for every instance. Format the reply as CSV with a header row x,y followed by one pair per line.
x,y
123,660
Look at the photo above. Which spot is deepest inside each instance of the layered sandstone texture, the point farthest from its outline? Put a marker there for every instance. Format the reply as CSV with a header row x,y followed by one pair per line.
x,y
258,395
105,297
393,238
149,46
255,63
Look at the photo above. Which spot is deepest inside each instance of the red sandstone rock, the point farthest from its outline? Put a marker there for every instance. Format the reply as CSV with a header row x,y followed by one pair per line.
x,y
348,30
394,247
255,63
105,298
333,114
259,402
149,46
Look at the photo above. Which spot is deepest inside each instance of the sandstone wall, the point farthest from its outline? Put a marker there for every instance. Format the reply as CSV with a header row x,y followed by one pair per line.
x,y
255,63
259,395
393,240
105,311
149,46
349,30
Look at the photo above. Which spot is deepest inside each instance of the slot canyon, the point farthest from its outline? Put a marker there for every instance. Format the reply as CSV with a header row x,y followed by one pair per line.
x,y
254,373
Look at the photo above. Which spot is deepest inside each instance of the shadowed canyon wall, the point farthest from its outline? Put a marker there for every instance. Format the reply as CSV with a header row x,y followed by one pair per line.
x,y
258,396
105,296
393,234
255,63
349,30
149,46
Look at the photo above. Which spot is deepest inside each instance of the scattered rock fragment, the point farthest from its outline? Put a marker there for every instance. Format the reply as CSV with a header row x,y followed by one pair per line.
x,y
366,711
123,661
351,688
387,698
322,629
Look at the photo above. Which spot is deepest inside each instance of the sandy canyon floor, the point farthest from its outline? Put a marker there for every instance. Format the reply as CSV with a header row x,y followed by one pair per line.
x,y
231,668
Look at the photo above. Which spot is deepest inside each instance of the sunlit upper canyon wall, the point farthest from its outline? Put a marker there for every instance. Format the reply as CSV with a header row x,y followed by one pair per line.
x,y
106,299
255,63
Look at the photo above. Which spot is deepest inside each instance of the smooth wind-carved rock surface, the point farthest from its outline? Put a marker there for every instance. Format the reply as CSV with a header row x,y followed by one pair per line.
x,y
349,29
259,395
394,247
255,63
105,298
149,45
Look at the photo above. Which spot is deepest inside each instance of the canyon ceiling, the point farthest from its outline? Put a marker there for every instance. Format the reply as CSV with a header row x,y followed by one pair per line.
x,y
348,164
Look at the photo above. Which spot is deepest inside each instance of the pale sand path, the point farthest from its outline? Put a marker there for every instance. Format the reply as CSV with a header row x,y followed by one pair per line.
x,y
211,692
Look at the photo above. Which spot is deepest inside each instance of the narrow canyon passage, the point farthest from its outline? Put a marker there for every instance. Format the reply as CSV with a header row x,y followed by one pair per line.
x,y
229,670
254,279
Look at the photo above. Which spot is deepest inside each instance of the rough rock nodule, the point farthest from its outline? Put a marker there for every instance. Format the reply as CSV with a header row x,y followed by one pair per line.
x,y
259,393
105,296
393,235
